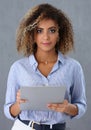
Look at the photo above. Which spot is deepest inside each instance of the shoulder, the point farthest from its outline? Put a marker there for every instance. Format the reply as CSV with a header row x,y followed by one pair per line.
x,y
69,62
72,61
66,60
74,64
21,62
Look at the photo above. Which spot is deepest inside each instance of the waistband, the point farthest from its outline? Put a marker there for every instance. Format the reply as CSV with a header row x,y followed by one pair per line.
x,y
39,126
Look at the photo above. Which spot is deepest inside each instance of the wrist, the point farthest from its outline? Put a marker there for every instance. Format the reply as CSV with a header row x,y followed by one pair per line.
x,y
15,109
71,109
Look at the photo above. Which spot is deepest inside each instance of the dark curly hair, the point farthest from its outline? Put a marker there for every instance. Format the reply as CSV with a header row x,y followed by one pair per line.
x,y
25,31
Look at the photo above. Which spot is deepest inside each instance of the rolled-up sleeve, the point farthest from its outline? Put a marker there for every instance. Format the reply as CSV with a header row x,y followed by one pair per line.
x,y
78,91
10,92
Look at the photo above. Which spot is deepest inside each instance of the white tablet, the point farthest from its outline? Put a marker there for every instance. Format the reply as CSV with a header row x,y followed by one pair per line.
x,y
39,97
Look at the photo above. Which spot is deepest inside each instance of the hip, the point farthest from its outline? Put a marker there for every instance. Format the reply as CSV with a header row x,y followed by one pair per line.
x,y
31,125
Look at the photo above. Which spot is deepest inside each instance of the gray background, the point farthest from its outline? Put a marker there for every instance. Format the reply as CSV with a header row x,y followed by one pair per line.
x,y
79,11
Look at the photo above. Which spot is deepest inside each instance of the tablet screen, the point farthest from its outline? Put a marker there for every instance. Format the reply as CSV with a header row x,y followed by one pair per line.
x,y
39,97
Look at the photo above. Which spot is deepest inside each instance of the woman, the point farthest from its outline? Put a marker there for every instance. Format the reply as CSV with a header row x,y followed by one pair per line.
x,y
45,36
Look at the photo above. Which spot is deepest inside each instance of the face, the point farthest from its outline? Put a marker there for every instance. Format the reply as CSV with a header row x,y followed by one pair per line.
x,y
46,35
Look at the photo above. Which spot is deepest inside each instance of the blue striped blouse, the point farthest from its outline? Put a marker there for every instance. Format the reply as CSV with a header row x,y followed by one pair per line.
x,y
66,72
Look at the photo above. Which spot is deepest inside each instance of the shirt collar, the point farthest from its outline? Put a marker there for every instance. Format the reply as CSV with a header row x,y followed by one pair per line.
x,y
61,57
33,61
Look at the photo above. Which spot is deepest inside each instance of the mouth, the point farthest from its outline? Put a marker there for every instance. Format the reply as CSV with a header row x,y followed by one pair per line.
x,y
46,43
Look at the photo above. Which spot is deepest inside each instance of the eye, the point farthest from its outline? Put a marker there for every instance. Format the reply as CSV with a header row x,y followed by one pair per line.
x,y
38,30
52,30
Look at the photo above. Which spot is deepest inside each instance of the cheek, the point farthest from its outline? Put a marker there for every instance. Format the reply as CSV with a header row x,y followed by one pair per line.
x,y
36,39
55,39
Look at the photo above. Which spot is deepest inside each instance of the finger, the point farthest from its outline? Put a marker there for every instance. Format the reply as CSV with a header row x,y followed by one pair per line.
x,y
23,100
58,109
65,102
18,93
58,105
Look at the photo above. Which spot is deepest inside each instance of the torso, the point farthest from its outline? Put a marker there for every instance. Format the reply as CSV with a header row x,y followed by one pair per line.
x,y
45,69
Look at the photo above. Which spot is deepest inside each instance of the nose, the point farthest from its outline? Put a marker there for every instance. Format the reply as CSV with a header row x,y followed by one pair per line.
x,y
45,35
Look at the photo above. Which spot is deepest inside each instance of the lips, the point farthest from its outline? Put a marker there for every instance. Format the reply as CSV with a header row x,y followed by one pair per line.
x,y
46,43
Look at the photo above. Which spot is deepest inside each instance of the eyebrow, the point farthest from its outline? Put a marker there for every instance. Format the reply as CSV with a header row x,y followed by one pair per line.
x,y
48,28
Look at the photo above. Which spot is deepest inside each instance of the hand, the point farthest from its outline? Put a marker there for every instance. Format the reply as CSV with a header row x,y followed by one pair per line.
x,y
15,108
65,107
59,107
18,98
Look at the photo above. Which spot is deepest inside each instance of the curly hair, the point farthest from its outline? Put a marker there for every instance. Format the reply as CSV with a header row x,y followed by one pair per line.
x,y
25,32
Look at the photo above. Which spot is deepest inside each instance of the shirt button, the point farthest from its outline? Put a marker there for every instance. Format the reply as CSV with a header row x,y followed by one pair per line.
x,y
49,76
44,119
46,84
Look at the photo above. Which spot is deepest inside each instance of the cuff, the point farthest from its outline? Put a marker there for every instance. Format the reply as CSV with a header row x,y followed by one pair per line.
x,y
81,111
7,112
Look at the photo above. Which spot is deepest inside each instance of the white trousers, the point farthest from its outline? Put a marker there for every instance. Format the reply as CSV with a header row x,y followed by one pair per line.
x,y
18,125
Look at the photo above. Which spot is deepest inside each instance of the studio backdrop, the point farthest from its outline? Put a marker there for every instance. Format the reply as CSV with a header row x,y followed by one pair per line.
x,y
79,11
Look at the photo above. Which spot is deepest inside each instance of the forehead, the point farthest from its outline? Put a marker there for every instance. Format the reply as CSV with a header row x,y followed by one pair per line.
x,y
47,23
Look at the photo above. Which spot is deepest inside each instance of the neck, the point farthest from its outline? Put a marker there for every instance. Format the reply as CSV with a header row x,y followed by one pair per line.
x,y
46,57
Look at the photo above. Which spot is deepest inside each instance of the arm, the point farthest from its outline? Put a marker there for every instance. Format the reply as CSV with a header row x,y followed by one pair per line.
x,y
15,108
12,101
64,107
77,106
